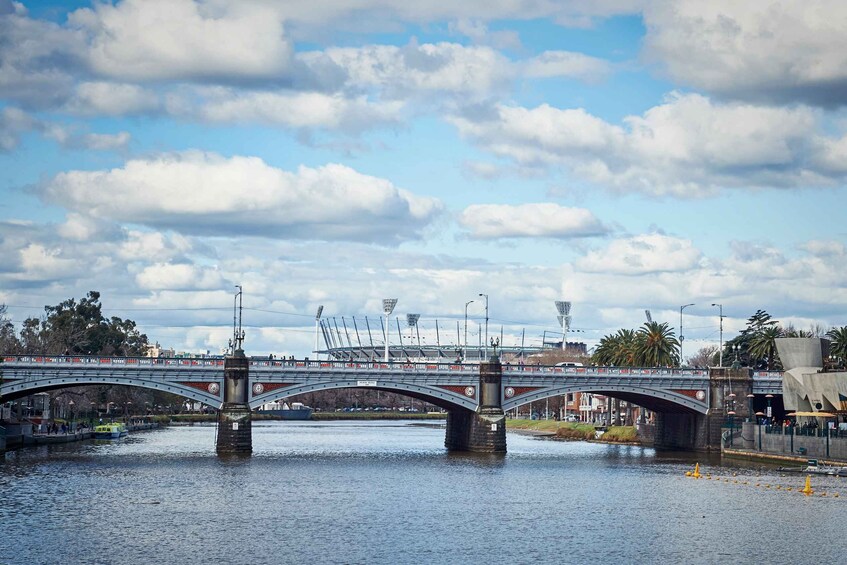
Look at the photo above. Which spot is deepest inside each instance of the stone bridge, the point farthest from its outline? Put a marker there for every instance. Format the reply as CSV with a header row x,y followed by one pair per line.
x,y
686,401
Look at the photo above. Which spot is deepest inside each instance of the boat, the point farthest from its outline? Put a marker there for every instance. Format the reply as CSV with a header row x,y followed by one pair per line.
x,y
112,430
813,468
282,410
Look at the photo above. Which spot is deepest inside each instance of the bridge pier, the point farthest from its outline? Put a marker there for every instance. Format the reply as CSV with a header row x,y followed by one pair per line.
x,y
702,432
484,430
235,435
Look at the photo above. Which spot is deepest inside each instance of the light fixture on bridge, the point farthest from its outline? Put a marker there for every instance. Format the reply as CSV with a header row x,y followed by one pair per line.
x,y
681,336
388,305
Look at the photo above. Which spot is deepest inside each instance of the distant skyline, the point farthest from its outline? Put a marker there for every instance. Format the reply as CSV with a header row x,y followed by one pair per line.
x,y
622,155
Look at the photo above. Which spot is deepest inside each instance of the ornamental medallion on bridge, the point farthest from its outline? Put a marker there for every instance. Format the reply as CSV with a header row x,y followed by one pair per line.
x,y
259,388
512,391
469,391
695,394
211,388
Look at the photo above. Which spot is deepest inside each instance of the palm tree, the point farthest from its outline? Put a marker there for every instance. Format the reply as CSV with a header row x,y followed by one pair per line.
x,y
618,350
838,343
763,345
657,345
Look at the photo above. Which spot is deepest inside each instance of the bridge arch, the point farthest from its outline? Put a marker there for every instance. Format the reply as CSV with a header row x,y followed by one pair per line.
x,y
13,389
441,397
657,400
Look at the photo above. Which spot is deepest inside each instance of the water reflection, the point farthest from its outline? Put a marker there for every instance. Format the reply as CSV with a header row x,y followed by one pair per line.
x,y
388,492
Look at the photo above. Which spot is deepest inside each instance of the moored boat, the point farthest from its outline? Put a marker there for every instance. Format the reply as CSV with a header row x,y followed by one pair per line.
x,y
112,430
813,468
281,410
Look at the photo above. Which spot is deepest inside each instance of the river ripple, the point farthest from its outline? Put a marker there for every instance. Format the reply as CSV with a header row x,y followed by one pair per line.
x,y
388,492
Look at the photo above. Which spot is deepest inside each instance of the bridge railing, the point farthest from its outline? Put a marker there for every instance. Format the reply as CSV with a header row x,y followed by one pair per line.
x,y
121,361
394,366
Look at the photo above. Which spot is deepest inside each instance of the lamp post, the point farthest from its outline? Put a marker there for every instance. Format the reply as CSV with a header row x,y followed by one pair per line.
x,y
388,305
465,349
681,337
769,409
760,434
486,323
750,407
317,324
71,406
731,415
720,351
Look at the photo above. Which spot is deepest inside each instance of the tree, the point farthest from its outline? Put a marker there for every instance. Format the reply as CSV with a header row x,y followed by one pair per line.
x,y
838,343
9,343
80,328
657,345
763,346
618,350
705,357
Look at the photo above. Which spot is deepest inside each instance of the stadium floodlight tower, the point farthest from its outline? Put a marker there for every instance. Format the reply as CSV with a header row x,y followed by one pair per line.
x,y
388,305
649,316
412,321
564,318
317,324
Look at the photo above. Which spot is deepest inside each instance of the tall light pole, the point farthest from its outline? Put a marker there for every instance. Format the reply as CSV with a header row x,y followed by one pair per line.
x,y
720,351
465,350
564,309
388,305
486,324
681,336
317,323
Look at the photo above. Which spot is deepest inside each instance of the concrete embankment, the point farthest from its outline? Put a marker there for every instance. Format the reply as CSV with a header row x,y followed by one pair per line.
x,y
17,435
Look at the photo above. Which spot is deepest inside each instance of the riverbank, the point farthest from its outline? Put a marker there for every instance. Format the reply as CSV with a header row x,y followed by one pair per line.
x,y
576,431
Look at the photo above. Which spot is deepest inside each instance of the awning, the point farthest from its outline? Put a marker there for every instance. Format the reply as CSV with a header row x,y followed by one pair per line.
x,y
814,414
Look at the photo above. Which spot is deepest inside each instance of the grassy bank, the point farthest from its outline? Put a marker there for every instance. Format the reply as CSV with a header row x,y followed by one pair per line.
x,y
576,430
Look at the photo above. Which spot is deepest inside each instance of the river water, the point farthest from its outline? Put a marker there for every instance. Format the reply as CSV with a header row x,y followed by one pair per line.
x,y
388,492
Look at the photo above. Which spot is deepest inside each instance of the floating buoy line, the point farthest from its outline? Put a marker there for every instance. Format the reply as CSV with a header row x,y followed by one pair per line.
x,y
806,489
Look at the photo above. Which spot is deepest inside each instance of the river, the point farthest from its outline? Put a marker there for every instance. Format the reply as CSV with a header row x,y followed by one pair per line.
x,y
388,492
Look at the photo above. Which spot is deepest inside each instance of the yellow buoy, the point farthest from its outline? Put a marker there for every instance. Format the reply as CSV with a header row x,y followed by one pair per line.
x,y
835,495
696,474
789,488
807,490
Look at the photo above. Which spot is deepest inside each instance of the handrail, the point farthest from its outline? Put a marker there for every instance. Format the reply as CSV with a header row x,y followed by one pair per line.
x,y
341,366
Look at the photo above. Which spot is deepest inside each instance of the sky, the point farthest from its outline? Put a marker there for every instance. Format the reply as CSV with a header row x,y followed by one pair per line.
x,y
621,155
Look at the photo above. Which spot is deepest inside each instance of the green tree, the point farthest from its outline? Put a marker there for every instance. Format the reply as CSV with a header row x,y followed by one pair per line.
x,y
657,345
618,350
838,343
763,346
9,343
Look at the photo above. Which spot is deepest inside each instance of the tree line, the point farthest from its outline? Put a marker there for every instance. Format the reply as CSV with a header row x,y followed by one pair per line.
x,y
655,345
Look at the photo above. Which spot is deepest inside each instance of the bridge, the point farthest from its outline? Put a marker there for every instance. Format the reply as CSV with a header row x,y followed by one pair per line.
x,y
687,401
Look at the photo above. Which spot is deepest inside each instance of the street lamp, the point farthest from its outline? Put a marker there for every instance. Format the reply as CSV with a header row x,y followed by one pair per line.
x,y
71,405
720,351
750,407
486,323
465,350
317,323
769,409
388,305
681,337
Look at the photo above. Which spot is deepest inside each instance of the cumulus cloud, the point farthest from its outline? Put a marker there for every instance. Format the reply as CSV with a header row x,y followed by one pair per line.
x,y
766,50
167,39
13,123
642,254
204,193
688,146
491,221
111,99
293,109
179,276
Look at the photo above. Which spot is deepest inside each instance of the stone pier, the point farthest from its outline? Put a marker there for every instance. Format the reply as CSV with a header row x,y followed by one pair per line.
x,y
235,435
729,388
483,430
